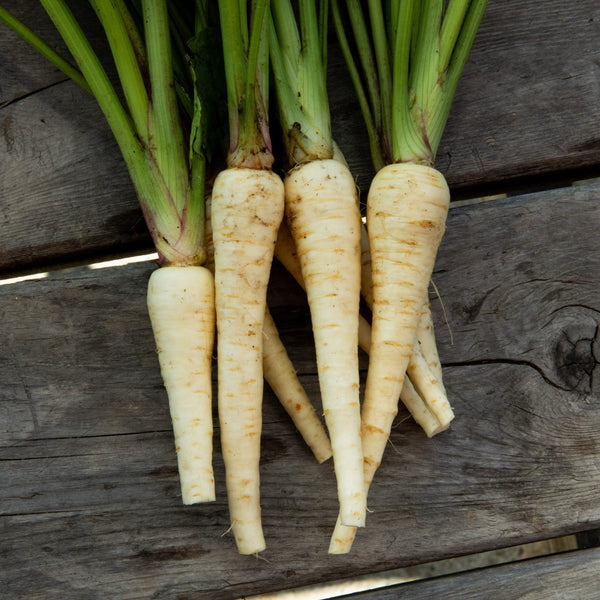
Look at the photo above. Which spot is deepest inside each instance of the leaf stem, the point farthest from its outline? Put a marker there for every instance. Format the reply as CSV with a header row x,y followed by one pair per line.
x,y
408,142
296,48
375,143
128,67
165,127
246,69
384,73
441,102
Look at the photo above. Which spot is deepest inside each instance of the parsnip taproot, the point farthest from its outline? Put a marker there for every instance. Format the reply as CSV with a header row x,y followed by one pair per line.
x,y
406,214
424,371
323,217
426,337
181,308
426,400
150,133
246,211
417,405
247,208
413,400
280,374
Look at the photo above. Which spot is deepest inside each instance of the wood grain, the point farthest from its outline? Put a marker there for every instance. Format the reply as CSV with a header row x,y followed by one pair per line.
x,y
90,507
566,576
525,114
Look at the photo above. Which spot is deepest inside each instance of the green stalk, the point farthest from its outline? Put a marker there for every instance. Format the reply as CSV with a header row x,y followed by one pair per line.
x,y
128,68
440,104
429,42
198,130
165,126
375,143
313,72
363,44
180,34
409,142
424,66
283,69
392,21
169,184
246,66
300,81
384,73
160,213
288,45
323,29
178,234
44,49
450,30
133,32
195,210
255,93
98,82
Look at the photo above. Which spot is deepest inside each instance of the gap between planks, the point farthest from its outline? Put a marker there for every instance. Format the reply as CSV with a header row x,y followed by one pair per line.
x,y
449,566
113,262
124,259
145,255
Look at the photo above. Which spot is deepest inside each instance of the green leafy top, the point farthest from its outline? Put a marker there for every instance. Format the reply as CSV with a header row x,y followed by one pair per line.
x,y
298,47
407,72
246,64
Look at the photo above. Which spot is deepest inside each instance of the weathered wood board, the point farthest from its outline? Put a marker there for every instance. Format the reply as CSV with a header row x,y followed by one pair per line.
x,y
89,502
525,114
566,576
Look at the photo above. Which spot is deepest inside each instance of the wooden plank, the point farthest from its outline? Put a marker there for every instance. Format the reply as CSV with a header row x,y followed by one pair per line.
x,y
568,576
89,502
526,113
63,184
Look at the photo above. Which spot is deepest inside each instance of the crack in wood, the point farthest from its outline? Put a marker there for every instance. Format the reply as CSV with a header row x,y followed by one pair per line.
x,y
21,97
507,361
101,435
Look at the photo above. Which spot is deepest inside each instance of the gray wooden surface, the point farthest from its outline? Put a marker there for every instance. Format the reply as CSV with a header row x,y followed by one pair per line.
x,y
572,576
526,113
89,501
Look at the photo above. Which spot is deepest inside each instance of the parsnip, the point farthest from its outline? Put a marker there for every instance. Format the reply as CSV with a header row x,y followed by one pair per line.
x,y
182,313
280,374
247,209
424,369
285,252
323,217
406,214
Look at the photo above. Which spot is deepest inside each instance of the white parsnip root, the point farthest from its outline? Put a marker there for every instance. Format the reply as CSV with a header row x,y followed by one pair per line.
x,y
423,390
182,313
247,209
427,370
406,214
416,404
323,217
281,376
